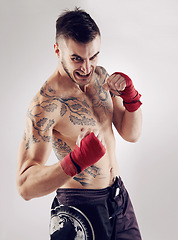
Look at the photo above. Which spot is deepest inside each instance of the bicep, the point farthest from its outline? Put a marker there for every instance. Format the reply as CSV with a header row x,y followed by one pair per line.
x,y
37,154
36,144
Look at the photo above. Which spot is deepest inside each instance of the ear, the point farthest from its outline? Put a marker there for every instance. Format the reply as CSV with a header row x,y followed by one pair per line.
x,y
56,49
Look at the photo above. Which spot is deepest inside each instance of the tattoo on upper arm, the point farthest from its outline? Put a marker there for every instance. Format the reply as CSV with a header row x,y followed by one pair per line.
x,y
40,124
100,98
31,140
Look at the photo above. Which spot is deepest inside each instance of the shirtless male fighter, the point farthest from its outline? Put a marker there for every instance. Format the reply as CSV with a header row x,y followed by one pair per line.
x,y
73,114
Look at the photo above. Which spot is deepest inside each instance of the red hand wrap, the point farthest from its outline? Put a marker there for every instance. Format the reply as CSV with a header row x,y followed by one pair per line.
x,y
89,152
131,97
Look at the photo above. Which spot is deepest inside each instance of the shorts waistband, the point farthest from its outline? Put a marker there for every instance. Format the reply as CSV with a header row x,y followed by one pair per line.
x,y
71,196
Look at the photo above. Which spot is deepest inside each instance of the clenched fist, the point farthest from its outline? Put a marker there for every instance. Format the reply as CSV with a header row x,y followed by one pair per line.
x,y
121,85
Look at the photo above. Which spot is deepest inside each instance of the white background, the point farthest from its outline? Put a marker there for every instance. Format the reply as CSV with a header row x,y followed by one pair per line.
x,y
139,38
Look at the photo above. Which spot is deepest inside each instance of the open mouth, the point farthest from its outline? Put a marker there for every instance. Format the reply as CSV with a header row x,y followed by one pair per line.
x,y
81,75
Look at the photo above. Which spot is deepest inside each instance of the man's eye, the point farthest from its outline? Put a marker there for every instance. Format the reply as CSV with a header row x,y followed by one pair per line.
x,y
76,59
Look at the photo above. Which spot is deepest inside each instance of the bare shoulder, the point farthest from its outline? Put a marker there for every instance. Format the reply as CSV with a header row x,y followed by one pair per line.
x,y
102,74
41,117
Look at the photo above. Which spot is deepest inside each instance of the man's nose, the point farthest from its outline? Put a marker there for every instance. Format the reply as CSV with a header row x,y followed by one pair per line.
x,y
86,67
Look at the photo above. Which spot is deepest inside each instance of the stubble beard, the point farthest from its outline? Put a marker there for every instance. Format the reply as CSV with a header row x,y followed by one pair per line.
x,y
66,70
64,65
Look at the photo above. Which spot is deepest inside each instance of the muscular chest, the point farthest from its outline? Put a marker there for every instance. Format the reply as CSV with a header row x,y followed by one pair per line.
x,y
91,109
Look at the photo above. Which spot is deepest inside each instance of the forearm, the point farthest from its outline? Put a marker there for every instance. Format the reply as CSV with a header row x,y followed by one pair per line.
x,y
131,125
40,180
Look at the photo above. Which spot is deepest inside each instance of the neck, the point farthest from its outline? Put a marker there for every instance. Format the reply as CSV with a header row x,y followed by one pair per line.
x,y
83,88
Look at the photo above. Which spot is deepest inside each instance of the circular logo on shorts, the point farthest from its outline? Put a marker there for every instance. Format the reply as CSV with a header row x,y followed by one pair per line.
x,y
70,223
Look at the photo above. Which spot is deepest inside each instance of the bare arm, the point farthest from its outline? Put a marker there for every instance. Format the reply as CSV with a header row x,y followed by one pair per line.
x,y
34,179
128,124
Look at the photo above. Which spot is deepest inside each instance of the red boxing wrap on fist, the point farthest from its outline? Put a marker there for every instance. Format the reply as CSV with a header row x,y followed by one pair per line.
x,y
131,97
89,152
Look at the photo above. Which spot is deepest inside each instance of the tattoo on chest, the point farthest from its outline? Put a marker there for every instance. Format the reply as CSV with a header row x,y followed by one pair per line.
x,y
79,113
77,110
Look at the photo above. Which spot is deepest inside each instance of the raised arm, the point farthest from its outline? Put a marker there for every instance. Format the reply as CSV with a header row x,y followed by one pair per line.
x,y
127,115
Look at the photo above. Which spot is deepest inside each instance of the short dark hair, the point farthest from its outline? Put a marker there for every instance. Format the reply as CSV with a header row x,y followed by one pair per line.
x,y
77,25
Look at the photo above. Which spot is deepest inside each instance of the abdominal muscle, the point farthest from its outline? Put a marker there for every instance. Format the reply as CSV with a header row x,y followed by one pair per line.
x,y
85,181
100,175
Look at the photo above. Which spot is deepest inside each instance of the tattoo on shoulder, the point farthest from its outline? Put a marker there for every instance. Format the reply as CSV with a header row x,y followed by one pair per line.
x,y
103,73
105,76
100,98
47,91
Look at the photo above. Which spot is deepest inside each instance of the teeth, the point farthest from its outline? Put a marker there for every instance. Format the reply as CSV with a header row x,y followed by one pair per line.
x,y
83,75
